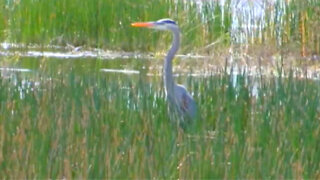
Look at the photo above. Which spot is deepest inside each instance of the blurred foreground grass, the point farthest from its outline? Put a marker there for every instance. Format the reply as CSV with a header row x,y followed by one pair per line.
x,y
96,125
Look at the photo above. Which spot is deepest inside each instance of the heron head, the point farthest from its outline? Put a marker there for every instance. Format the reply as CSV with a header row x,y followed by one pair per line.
x,y
162,24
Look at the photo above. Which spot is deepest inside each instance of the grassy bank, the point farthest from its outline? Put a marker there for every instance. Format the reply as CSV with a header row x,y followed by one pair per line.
x,y
106,24
95,125
95,23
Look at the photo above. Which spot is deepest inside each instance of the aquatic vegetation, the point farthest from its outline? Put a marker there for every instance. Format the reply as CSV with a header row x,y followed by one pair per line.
x,y
105,23
102,114
71,122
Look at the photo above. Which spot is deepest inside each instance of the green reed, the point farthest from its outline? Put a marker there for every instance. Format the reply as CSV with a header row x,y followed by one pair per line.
x,y
100,23
106,24
95,125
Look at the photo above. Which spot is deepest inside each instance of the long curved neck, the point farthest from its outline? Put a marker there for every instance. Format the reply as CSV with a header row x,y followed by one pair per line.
x,y
167,75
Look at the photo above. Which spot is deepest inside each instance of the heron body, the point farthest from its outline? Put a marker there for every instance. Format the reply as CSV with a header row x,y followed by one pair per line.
x,y
181,104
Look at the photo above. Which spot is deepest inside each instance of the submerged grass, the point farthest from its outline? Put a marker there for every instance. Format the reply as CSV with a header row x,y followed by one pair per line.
x,y
95,125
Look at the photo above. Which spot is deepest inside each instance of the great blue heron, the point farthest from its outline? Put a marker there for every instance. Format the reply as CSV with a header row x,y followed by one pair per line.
x,y
181,103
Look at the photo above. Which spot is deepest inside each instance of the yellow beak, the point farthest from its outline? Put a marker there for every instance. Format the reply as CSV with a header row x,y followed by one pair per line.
x,y
142,24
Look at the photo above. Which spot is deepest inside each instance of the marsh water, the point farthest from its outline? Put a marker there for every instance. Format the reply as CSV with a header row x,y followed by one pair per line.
x,y
32,68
